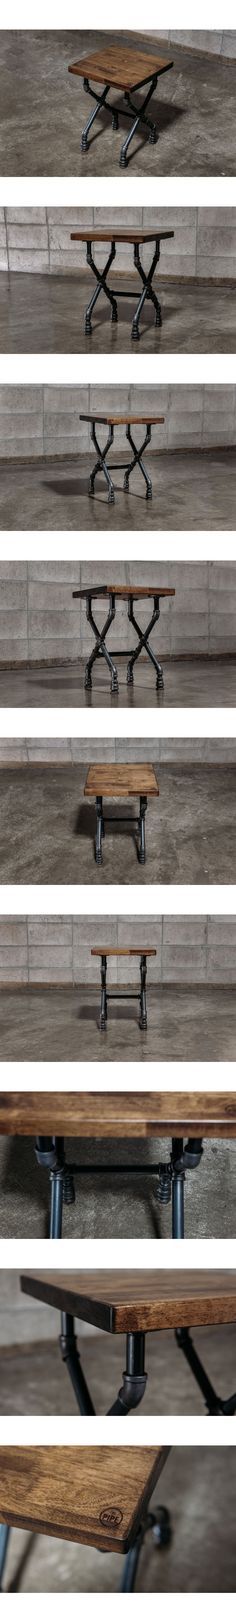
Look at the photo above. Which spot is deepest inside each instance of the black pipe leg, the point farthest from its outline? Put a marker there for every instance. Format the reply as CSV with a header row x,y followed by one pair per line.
x,y
131,1564
103,1007
142,843
100,102
101,465
143,1000
99,832
139,119
71,1358
4,1537
178,1178
56,1178
101,276
100,649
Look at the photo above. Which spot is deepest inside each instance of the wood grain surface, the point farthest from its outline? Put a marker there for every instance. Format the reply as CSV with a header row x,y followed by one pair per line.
x,y
114,235
103,950
93,1495
134,1115
125,421
119,65
138,591
121,781
138,1300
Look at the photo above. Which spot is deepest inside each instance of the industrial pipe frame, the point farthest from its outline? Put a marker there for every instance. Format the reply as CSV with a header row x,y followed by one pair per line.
x,y
101,650
137,114
159,1523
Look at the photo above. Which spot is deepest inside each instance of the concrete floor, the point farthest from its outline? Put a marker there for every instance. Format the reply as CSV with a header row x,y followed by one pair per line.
x,y
198,1487
34,1381
189,491
44,109
193,682
194,1023
45,314
107,1205
47,828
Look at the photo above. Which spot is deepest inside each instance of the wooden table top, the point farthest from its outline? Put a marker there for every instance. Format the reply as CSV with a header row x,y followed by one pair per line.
x,y
143,1300
120,235
124,421
121,1115
92,1495
107,950
138,591
121,781
119,65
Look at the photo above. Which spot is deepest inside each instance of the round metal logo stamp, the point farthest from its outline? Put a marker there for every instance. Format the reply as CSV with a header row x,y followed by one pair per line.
x,y
111,1516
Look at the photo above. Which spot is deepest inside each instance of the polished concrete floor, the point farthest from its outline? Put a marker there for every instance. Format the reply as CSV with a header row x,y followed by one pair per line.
x,y
110,1205
198,1487
189,491
184,1024
35,1382
196,682
44,109
45,314
47,828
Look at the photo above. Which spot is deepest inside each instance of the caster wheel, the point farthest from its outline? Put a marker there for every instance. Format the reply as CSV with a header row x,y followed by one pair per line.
x,y
162,1528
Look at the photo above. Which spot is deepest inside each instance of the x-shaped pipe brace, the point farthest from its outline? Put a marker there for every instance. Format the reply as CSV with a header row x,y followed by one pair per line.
x,y
137,114
101,650
113,293
126,466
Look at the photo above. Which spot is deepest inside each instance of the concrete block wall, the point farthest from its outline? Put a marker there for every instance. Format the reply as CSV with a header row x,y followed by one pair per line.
x,y
57,949
61,750
23,1320
215,42
45,421
38,239
40,622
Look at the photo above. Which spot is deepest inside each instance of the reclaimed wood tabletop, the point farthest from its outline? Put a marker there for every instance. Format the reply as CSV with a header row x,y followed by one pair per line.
x,y
121,781
134,1115
138,1300
92,1495
120,65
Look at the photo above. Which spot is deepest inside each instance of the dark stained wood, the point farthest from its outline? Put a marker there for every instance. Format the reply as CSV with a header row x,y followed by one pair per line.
x,y
125,421
138,591
138,1300
103,950
121,781
114,235
92,1495
120,65
121,1115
